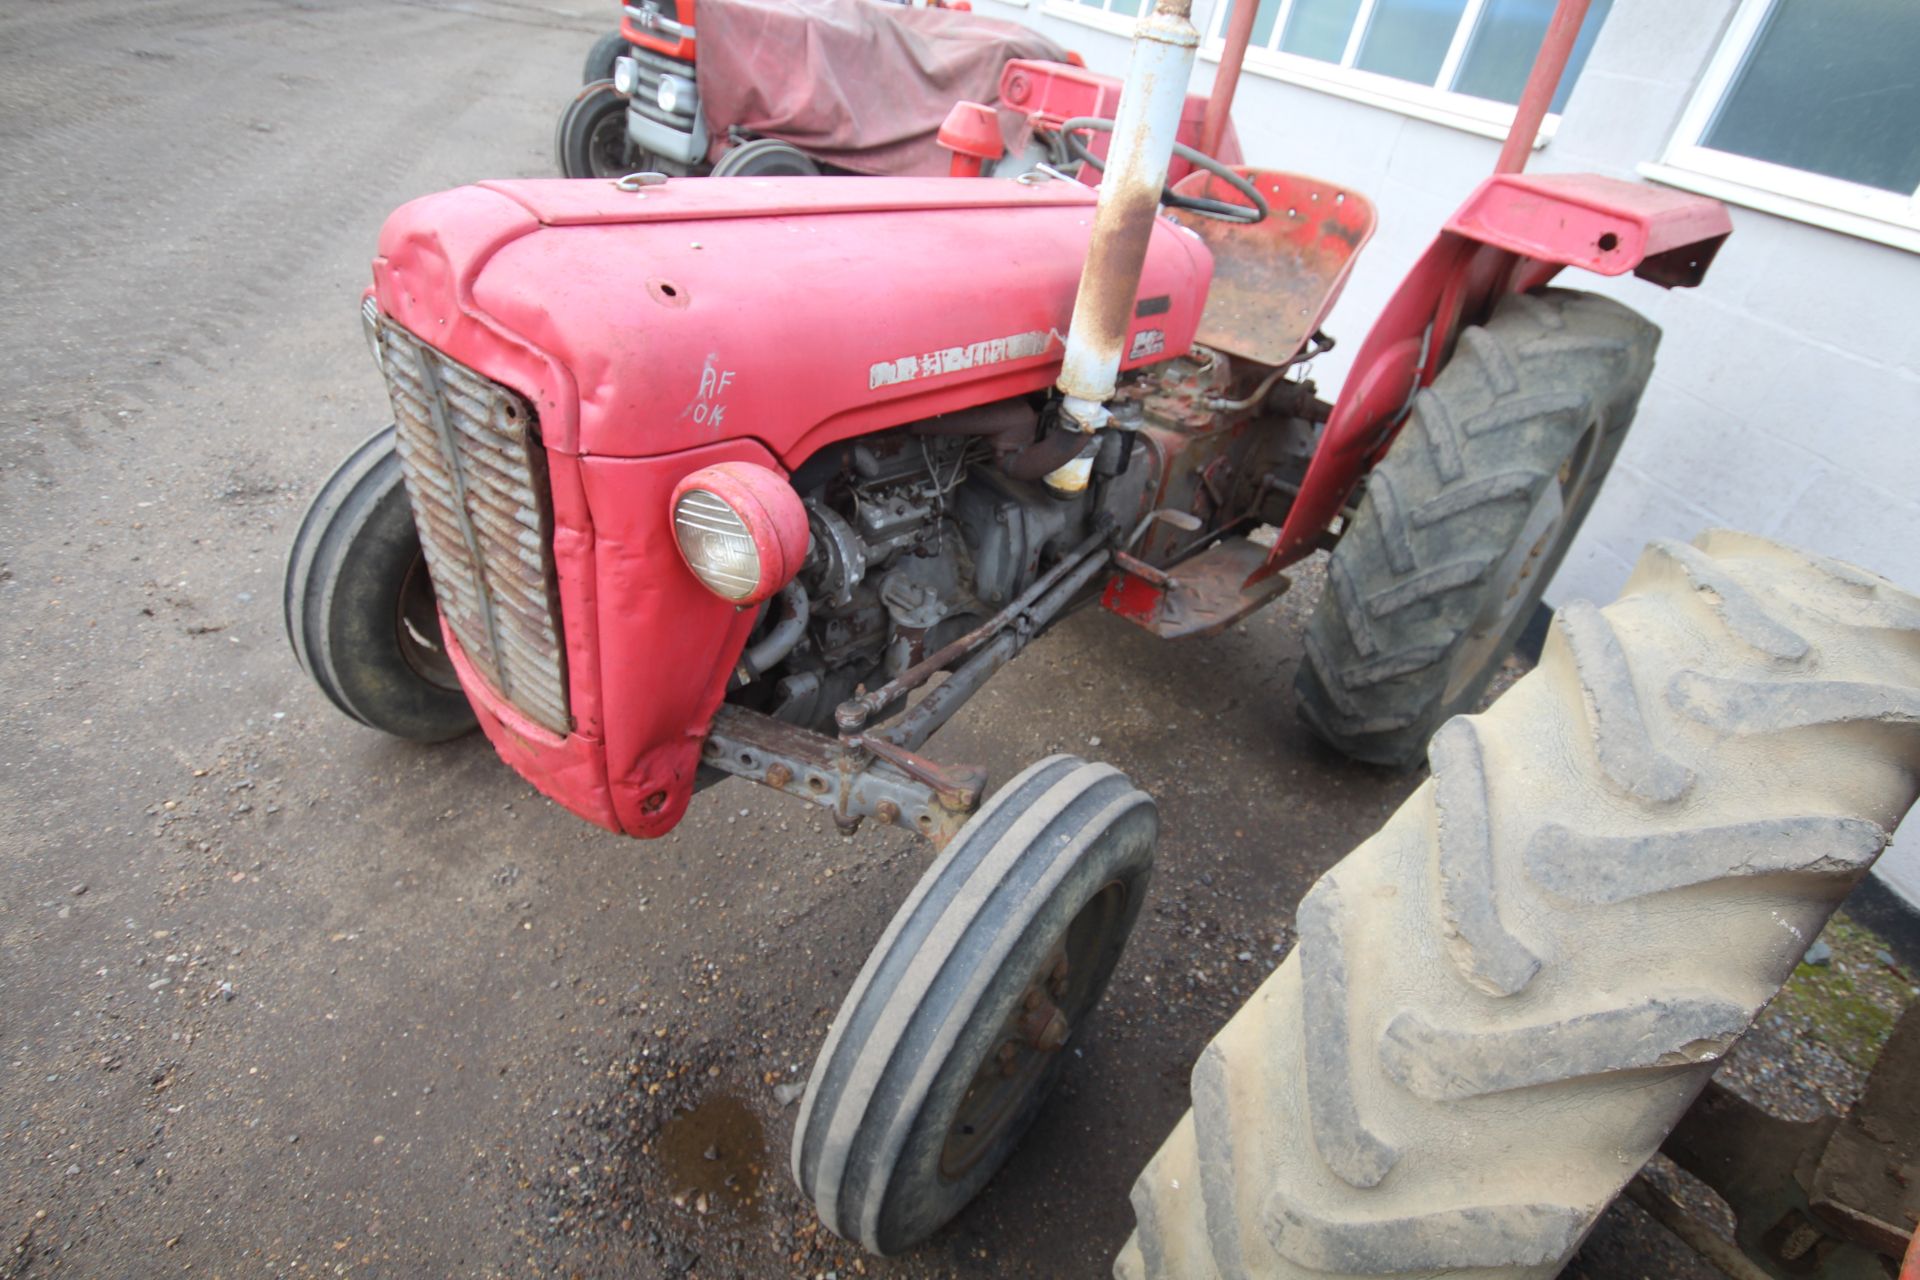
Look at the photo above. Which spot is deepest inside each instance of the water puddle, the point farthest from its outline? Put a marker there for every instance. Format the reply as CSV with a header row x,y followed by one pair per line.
x,y
713,1157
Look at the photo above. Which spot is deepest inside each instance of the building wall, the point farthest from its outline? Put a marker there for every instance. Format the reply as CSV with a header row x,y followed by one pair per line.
x,y
1786,399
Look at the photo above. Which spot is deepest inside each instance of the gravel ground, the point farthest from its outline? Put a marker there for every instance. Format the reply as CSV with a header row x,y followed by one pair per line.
x,y
281,997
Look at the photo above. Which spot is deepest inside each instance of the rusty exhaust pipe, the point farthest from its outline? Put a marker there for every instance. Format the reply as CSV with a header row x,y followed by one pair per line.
x,y
1143,133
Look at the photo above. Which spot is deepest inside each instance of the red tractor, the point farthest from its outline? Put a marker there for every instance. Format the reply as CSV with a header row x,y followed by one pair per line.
x,y
766,477
786,87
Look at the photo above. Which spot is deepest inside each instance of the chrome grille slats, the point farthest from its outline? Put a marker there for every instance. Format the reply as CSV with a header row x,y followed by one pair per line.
x,y
475,476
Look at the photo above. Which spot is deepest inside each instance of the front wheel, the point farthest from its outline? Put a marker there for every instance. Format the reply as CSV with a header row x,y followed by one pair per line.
x,y
958,1026
591,138
601,57
360,609
1467,517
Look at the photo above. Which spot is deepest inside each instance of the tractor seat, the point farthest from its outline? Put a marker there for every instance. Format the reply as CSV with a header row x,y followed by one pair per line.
x,y
1274,281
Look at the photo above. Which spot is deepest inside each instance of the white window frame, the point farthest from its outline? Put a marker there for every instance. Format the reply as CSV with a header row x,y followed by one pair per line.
x,y
1461,111
1846,207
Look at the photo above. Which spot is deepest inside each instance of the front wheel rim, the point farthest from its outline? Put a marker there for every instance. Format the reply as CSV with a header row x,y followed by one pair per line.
x,y
416,625
1057,997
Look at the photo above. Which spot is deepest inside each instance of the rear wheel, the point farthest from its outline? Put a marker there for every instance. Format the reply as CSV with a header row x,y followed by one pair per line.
x,y
1467,517
766,158
360,609
600,57
957,1027
1502,1002
591,139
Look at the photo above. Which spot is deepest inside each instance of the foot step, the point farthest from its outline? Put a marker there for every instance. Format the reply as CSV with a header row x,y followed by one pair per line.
x,y
1202,596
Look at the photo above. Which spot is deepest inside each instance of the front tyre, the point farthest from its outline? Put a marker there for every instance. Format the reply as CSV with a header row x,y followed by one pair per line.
x,y
601,57
957,1027
591,138
360,609
1467,517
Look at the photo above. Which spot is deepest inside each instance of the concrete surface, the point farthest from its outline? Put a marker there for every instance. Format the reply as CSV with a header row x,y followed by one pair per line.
x,y
279,996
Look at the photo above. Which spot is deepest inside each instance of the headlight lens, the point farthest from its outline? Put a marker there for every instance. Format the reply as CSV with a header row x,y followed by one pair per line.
x,y
672,90
626,76
741,529
717,544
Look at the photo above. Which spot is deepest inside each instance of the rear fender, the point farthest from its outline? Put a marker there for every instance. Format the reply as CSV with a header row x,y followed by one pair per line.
x,y
1515,233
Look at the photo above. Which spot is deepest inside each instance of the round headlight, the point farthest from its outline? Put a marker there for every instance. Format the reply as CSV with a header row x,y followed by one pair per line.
x,y
626,76
667,97
741,529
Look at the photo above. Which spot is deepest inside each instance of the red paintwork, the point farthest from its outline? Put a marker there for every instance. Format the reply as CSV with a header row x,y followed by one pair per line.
x,y
775,517
802,289
1050,92
972,132
647,39
1514,233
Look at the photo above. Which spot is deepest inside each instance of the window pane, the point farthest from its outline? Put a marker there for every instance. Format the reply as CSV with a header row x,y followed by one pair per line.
x,y
1126,8
1262,21
1408,39
1319,28
1832,87
1504,43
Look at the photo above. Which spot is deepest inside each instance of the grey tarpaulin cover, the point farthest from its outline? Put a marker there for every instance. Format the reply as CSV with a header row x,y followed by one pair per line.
x,y
855,83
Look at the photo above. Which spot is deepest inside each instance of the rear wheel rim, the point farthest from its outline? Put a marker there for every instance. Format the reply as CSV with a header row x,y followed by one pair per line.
x,y
1056,998
1517,580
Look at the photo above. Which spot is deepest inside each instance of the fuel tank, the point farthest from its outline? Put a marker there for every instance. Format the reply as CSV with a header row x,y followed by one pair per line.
x,y
791,311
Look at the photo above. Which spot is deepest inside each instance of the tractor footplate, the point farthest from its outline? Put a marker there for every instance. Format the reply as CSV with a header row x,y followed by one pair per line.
x,y
1198,597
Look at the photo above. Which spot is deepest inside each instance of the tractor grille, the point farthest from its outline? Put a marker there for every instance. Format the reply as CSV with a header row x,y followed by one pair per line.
x,y
646,94
475,473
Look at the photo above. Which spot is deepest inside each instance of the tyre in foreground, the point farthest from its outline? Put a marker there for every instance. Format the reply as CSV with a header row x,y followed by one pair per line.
x,y
1501,1003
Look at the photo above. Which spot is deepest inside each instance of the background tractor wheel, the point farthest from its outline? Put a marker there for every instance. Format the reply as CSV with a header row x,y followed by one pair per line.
x,y
766,158
591,140
359,606
600,57
1467,517
957,1027
1501,1003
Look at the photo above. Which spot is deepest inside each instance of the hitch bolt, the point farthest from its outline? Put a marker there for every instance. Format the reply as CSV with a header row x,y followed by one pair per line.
x,y
887,811
778,776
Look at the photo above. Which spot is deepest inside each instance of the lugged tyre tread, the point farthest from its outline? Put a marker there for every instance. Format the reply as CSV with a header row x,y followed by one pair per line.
x,y
1500,1116
1447,505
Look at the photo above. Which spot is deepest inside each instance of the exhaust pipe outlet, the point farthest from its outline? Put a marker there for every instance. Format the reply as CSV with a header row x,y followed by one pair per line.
x,y
1144,129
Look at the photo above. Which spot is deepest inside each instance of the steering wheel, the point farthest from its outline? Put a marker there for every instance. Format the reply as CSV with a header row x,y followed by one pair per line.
x,y
1222,209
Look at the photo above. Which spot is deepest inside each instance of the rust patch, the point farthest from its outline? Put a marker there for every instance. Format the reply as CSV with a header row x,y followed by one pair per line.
x,y
1274,281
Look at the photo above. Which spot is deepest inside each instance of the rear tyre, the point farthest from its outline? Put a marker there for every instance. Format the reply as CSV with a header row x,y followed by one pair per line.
x,y
591,139
766,158
1501,1003
359,606
600,58
1466,519
957,1027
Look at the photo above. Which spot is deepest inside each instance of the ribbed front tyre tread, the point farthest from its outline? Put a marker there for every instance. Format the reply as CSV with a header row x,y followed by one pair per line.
x,y
1501,1003
922,1016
